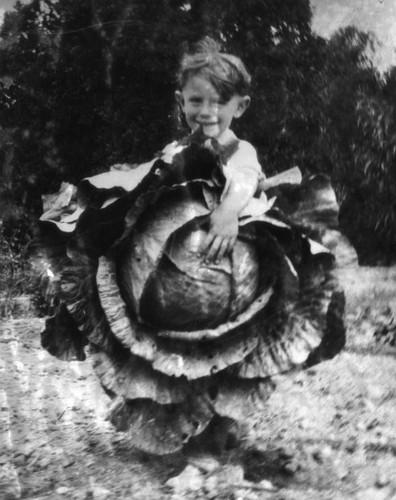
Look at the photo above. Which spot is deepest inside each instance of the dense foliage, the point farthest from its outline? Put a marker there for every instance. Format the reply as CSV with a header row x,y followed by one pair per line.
x,y
88,83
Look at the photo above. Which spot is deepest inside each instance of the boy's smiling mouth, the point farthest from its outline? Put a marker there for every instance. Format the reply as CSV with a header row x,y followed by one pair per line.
x,y
205,124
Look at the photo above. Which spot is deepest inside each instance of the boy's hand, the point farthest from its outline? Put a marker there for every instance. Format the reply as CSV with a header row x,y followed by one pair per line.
x,y
222,235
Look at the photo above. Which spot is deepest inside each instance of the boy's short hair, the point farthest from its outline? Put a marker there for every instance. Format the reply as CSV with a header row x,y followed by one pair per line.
x,y
225,72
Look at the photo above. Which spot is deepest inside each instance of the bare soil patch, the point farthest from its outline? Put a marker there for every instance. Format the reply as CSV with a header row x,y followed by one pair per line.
x,y
328,433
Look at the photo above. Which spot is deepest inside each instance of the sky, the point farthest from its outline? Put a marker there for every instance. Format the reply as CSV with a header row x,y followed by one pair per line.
x,y
5,5
378,16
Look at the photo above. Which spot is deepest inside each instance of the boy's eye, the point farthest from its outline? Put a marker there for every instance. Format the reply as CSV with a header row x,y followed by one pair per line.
x,y
219,101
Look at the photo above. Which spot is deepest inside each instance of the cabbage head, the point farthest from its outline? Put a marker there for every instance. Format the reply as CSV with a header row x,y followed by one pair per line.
x,y
176,341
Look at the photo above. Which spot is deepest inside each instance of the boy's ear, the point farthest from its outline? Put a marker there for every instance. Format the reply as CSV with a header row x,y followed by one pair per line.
x,y
179,98
243,104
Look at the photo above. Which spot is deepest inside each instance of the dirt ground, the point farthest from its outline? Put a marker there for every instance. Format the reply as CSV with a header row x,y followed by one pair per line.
x,y
328,433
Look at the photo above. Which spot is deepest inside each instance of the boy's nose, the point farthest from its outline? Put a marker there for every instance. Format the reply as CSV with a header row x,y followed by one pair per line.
x,y
208,109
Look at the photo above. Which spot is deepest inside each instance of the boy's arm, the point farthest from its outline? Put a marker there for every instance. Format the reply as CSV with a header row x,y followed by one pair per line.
x,y
242,173
240,189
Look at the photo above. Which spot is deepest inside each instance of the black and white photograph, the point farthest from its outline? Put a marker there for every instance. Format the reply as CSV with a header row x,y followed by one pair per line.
x,y
198,249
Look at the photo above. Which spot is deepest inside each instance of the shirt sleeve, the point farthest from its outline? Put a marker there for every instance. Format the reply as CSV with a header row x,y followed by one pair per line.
x,y
242,167
244,159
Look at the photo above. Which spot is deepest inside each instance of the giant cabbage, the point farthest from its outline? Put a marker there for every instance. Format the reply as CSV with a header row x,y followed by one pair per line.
x,y
176,341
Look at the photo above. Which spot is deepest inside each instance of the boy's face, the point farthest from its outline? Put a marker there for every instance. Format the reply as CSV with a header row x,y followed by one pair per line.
x,y
203,107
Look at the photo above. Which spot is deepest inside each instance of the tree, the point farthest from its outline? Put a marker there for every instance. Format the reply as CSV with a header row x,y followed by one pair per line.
x,y
27,62
368,211
104,89
361,146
